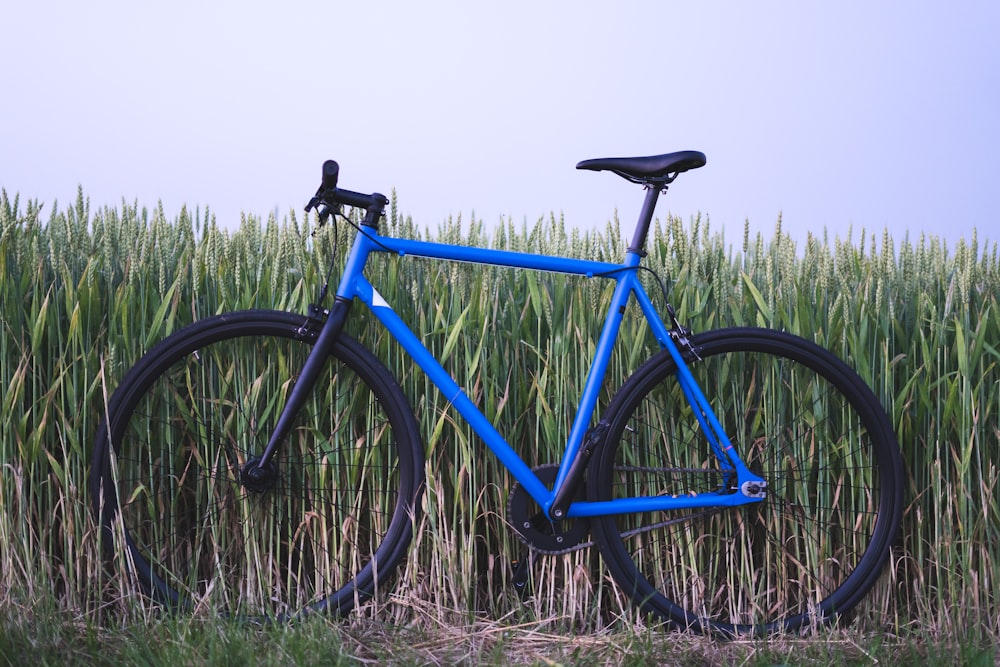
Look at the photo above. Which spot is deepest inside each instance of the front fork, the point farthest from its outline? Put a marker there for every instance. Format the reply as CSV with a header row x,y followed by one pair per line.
x,y
258,472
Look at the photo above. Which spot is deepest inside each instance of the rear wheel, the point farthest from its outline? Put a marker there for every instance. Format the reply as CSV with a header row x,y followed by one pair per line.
x,y
321,528
805,422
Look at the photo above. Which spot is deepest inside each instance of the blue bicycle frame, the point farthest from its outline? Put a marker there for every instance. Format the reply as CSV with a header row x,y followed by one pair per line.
x,y
354,285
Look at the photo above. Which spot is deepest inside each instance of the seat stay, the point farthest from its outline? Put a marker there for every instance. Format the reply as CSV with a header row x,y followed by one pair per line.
x,y
725,450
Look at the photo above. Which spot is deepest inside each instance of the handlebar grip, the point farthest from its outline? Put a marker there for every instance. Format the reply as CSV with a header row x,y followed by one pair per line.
x,y
331,170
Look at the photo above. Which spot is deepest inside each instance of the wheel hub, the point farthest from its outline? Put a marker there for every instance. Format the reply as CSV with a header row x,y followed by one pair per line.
x,y
258,478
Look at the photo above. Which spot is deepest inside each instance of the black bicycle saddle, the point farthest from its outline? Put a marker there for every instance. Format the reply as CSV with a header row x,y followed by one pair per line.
x,y
650,168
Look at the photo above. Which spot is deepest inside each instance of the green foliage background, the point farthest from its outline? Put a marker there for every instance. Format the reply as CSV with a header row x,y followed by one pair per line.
x,y
84,292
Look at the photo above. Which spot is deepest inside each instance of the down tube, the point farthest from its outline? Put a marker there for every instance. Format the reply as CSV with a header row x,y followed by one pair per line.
x,y
452,391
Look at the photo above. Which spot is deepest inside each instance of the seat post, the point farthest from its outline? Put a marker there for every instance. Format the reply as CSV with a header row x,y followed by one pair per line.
x,y
645,217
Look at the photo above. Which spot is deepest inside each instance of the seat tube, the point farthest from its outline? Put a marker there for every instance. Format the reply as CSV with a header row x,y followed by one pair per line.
x,y
575,456
645,219
574,460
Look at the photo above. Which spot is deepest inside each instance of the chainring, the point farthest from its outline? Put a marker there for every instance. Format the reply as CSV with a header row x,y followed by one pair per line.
x,y
537,530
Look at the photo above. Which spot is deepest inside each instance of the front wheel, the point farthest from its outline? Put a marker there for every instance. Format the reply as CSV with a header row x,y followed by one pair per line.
x,y
177,490
805,422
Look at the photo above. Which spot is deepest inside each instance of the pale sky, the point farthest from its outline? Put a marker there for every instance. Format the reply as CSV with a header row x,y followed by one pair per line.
x,y
864,113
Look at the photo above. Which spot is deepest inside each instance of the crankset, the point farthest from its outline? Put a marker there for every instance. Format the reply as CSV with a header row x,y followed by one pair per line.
x,y
535,529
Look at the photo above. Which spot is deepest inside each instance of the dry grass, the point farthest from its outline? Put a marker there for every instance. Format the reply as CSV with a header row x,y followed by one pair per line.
x,y
55,638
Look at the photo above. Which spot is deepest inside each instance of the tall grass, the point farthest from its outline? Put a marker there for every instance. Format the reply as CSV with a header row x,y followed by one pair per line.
x,y
86,291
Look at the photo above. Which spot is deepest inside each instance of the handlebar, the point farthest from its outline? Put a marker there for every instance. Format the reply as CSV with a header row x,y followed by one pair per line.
x,y
329,196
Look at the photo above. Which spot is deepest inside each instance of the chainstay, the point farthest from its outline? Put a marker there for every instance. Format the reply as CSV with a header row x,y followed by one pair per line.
x,y
634,531
644,529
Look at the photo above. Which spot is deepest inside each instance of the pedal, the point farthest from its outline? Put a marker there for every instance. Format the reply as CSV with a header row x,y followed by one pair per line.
x,y
521,576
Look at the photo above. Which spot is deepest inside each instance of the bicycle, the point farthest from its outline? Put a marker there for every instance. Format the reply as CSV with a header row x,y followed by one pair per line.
x,y
265,463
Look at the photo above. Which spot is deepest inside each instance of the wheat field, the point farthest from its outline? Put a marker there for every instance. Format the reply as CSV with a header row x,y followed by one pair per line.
x,y
86,291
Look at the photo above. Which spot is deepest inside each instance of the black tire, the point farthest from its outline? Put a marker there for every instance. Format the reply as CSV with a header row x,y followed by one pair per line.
x,y
324,535
800,418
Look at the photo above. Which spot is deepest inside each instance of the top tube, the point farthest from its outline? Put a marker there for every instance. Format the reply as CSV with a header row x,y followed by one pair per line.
x,y
507,258
369,241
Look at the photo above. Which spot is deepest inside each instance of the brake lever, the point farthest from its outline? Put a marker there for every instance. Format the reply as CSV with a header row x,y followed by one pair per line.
x,y
324,212
322,209
314,202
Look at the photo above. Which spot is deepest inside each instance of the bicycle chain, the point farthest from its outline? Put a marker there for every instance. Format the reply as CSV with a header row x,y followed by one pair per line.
x,y
516,488
631,533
